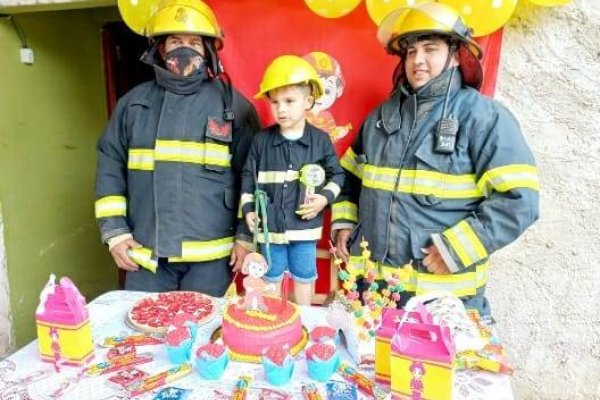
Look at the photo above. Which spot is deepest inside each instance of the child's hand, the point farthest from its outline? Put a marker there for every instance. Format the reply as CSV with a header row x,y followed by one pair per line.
x,y
313,205
251,220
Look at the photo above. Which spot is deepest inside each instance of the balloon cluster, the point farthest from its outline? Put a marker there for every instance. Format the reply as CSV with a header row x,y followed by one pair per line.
x,y
366,307
483,16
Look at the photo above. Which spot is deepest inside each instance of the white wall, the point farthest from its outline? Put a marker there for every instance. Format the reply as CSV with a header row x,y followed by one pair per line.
x,y
6,337
545,289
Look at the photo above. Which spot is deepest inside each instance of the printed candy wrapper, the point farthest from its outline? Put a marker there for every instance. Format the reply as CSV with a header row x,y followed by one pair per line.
x,y
133,340
364,384
124,378
159,380
172,393
310,392
337,390
241,388
271,394
180,354
106,367
209,366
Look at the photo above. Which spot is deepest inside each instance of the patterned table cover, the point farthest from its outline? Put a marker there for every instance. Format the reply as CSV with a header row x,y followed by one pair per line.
x,y
23,376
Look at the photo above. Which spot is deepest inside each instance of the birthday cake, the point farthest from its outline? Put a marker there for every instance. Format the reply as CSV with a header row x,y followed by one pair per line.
x,y
249,333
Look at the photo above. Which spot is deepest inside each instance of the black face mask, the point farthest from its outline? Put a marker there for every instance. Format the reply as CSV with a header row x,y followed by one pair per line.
x,y
185,61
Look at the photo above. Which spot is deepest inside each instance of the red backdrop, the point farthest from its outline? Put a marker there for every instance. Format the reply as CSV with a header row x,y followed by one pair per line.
x,y
258,31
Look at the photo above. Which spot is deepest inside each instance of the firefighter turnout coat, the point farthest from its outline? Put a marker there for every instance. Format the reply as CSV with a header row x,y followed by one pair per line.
x,y
400,193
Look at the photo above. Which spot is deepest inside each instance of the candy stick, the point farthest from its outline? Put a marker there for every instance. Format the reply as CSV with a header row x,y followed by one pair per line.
x,y
133,340
160,379
364,384
310,392
106,367
241,388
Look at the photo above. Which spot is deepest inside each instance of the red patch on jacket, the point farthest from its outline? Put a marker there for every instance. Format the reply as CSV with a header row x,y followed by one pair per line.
x,y
219,129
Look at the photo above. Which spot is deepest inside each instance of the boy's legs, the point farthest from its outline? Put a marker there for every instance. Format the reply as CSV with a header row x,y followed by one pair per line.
x,y
302,257
279,264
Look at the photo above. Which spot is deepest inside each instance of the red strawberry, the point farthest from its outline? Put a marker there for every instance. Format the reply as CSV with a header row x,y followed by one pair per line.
x,y
177,336
211,350
322,333
277,354
181,318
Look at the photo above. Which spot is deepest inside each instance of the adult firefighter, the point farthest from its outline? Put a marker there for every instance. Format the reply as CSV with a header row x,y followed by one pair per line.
x,y
438,174
170,159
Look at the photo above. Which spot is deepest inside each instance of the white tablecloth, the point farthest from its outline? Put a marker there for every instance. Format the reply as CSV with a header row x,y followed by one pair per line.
x,y
23,376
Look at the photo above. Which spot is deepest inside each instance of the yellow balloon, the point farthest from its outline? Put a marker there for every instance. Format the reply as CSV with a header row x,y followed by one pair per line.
x,y
332,8
136,13
550,3
378,9
483,16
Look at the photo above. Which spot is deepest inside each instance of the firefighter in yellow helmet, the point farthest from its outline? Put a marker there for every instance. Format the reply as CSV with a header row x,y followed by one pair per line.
x,y
296,165
170,160
439,176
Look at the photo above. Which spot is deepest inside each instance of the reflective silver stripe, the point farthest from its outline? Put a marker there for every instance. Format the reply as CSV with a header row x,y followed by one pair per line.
x,y
292,235
508,177
110,206
344,210
333,188
349,161
192,152
465,243
421,182
277,176
197,251
141,159
244,199
143,257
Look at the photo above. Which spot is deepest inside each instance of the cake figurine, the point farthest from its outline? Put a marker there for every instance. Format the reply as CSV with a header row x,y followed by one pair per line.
x,y
255,266
278,365
211,360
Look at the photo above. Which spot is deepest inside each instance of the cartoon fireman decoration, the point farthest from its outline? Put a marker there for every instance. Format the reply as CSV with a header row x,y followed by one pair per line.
x,y
330,74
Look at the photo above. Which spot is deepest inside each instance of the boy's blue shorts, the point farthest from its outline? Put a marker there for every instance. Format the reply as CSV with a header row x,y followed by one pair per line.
x,y
300,258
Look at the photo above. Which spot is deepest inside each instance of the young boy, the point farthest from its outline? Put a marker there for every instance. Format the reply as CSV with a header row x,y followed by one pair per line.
x,y
295,164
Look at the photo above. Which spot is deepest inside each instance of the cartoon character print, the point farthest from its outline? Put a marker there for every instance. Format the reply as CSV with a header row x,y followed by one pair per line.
x,y
255,266
330,73
416,384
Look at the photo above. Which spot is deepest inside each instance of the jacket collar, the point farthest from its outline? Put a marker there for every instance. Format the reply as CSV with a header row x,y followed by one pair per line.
x,y
178,84
279,138
390,117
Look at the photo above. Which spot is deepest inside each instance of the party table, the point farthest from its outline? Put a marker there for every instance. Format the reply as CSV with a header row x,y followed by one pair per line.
x,y
24,377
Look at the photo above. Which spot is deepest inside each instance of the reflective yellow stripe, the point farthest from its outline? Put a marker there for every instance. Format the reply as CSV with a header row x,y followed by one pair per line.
x,y
421,182
197,251
344,210
142,159
245,199
192,152
143,257
508,177
277,176
111,206
349,161
292,235
333,188
465,243
463,284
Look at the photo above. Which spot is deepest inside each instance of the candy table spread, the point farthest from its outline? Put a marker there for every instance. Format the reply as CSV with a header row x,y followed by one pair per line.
x,y
23,376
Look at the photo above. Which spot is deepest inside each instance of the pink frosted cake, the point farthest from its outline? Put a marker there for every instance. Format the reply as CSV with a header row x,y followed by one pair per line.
x,y
249,333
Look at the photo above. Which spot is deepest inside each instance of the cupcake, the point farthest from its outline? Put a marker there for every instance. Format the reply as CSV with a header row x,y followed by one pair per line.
x,y
179,345
211,360
321,360
278,365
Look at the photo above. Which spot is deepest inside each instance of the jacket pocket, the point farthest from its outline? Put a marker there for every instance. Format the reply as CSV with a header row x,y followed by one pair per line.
x,y
430,174
229,198
219,134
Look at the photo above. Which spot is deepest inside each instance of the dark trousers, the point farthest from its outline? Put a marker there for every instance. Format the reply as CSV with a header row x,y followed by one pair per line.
x,y
210,277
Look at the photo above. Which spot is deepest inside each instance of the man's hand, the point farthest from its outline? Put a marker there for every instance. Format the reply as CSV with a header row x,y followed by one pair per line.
x,y
342,244
251,220
238,253
313,205
434,262
119,254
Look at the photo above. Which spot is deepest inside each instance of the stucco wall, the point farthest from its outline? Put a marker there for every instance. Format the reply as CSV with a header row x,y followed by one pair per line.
x,y
546,287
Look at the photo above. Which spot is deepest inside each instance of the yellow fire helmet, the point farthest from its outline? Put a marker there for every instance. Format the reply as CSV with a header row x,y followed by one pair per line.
x,y
432,18
187,17
289,70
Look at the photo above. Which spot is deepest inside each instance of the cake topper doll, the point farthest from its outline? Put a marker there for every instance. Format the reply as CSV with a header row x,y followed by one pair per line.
x,y
255,266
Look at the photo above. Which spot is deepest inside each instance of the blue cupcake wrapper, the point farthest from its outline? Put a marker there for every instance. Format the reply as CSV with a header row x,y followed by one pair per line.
x,y
180,354
278,375
322,370
212,369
